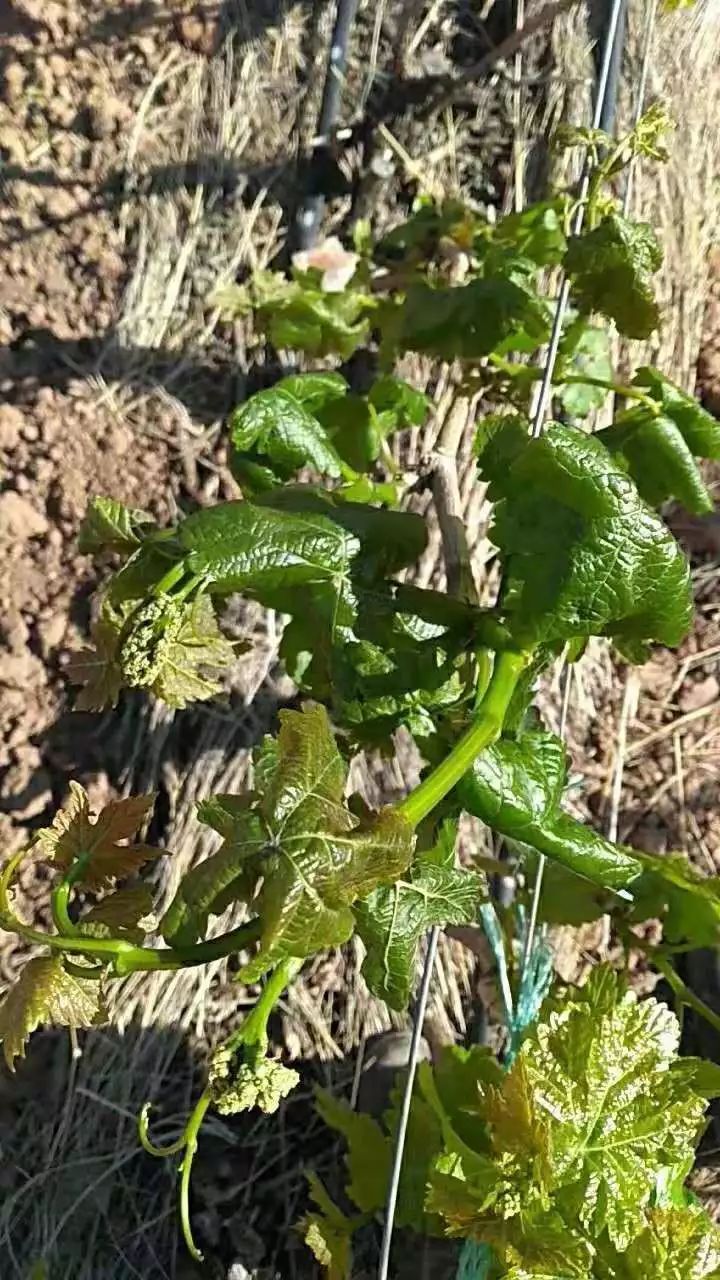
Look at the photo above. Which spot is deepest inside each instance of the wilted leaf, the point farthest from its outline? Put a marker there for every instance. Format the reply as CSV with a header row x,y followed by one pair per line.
x,y
73,835
45,994
328,1232
97,668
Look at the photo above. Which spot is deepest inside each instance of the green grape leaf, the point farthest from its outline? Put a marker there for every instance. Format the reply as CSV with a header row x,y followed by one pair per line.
x,y
423,1146
657,457
516,787
536,233
74,836
387,541
688,903
144,570
590,356
369,1154
700,430
314,390
398,403
300,315
168,646
45,994
610,269
281,433
586,556
109,525
457,1072
314,858
467,321
96,668
596,1106
239,546
356,430
678,1243
419,236
327,1232
392,920
119,915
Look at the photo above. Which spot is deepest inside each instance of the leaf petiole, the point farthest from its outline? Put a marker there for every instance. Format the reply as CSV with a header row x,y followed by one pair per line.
x,y
174,575
485,729
531,374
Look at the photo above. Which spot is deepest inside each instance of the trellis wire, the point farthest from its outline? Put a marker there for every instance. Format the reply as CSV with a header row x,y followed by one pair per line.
x,y
541,407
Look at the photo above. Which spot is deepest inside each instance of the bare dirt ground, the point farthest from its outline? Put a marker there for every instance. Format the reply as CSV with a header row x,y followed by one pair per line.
x,y
147,153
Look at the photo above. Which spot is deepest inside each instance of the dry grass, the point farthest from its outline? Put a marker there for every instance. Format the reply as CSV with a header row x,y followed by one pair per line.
x,y
89,1200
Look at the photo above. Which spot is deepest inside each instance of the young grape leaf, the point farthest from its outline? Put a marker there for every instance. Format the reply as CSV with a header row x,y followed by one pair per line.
x,y
300,315
700,430
168,645
586,556
516,787
369,1153
327,1232
657,457
356,430
678,1243
119,914
282,435
398,403
536,232
392,920
97,668
314,390
387,541
591,356
610,268
109,525
595,1106
73,835
468,321
313,856
45,993
687,902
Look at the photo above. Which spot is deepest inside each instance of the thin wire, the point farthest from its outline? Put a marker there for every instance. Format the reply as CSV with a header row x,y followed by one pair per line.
x,y
564,296
567,679
399,1152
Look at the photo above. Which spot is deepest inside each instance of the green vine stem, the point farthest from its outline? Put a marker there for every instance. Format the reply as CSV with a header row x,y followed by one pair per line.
x,y
123,955
485,729
251,1033
577,379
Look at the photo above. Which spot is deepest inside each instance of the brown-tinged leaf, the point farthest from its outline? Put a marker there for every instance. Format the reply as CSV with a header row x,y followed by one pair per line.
x,y
96,668
118,914
45,993
73,834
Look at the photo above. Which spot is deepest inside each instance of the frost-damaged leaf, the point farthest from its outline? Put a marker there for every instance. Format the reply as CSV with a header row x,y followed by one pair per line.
x,y
610,269
677,1244
586,556
369,1153
75,835
280,432
111,526
45,994
516,787
97,668
119,914
168,646
327,1232
658,458
393,919
313,856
